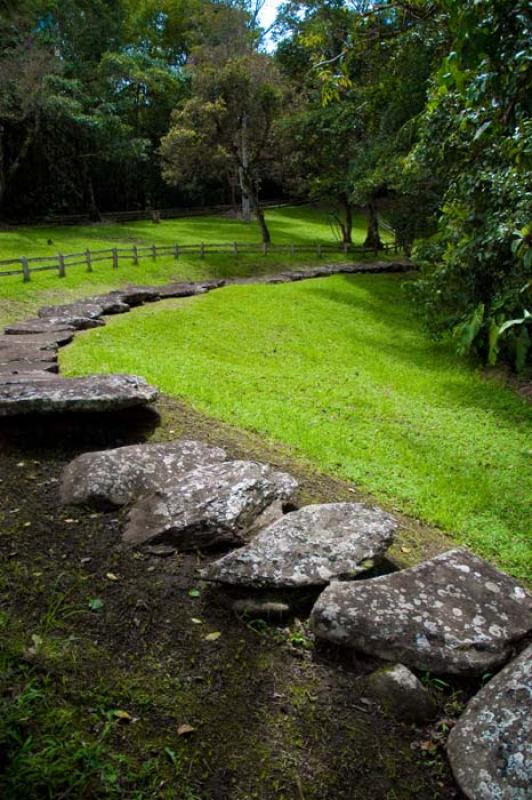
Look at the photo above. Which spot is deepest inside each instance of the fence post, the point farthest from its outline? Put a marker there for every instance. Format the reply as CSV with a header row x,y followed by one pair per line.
x,y
25,269
88,258
154,251
235,248
176,250
135,254
61,260
202,250
115,258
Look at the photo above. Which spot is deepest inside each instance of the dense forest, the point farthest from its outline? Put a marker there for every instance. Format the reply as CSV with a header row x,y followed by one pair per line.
x,y
416,111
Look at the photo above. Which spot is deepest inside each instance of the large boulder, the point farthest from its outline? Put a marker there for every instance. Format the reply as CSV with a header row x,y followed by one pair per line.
x,y
93,393
453,614
219,504
112,478
309,547
490,747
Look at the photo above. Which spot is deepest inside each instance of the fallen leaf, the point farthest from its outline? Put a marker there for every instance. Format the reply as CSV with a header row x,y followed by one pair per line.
x,y
111,576
121,715
211,637
193,593
406,549
96,604
185,729
197,621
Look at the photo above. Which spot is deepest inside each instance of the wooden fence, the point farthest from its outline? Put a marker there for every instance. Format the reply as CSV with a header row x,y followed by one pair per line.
x,y
26,266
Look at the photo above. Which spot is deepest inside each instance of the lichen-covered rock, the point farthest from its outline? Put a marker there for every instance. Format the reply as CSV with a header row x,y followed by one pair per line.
x,y
71,310
178,290
93,393
112,478
219,504
402,694
308,547
27,365
109,303
455,613
490,747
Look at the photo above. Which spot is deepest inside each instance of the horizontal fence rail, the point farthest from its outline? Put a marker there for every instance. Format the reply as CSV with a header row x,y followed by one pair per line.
x,y
25,265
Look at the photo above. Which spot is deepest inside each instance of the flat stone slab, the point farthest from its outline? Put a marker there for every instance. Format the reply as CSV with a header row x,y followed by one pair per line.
x,y
81,309
178,290
93,393
109,303
30,327
308,547
37,341
28,365
18,352
453,614
112,478
136,295
490,747
27,376
218,504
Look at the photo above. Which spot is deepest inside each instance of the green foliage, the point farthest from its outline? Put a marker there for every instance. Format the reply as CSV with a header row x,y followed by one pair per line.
x,y
476,135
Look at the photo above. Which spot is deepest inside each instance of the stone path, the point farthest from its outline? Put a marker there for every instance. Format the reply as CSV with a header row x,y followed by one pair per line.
x,y
28,349
453,614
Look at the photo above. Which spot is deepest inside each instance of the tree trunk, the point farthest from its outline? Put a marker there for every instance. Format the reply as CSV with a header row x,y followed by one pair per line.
x,y
347,227
94,211
246,205
252,192
373,239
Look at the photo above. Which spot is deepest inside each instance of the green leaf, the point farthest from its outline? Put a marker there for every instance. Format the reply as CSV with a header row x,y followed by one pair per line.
x,y
96,604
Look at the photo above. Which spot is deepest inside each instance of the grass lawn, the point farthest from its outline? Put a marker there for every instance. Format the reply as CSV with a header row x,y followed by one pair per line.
x,y
287,225
340,370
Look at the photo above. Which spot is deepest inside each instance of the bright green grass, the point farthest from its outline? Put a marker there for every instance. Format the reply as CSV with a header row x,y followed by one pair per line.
x,y
288,225
339,369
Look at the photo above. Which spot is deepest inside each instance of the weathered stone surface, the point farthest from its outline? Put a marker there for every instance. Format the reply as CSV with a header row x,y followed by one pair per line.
x,y
455,613
402,694
18,352
490,748
215,283
38,341
112,478
217,504
93,393
27,376
77,310
109,303
27,365
136,295
178,290
308,547
30,327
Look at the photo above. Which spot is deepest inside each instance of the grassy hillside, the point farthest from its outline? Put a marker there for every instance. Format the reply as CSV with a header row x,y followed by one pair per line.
x,y
340,370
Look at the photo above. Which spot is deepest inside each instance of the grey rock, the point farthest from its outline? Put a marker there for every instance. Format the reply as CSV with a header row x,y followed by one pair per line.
x,y
453,614
27,365
93,393
218,504
308,547
79,310
109,303
402,694
38,341
490,747
136,295
215,283
27,376
112,478
18,352
30,327
177,290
